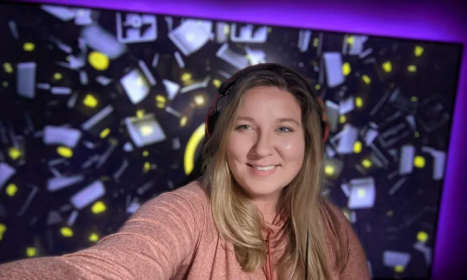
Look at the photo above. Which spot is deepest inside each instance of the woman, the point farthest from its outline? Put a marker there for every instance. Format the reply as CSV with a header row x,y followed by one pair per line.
x,y
257,213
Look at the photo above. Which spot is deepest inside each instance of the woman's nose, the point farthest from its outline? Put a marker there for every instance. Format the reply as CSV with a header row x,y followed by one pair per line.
x,y
263,146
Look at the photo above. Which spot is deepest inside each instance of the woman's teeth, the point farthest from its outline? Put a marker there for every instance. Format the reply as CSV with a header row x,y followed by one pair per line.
x,y
265,168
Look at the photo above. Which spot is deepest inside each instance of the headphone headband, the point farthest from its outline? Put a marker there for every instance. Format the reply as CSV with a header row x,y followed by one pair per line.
x,y
227,85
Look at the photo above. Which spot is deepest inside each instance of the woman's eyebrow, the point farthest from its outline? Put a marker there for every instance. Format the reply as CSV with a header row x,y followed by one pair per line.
x,y
279,120
245,118
282,120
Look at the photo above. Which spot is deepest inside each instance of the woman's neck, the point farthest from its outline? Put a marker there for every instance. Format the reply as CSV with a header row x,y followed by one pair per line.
x,y
268,209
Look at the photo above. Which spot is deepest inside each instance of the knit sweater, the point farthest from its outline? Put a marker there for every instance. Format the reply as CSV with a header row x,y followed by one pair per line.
x,y
172,236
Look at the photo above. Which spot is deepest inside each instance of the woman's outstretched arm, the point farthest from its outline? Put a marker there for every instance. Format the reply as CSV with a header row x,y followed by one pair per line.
x,y
152,244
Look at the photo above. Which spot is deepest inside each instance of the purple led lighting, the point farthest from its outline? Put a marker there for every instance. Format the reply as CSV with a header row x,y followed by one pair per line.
x,y
435,21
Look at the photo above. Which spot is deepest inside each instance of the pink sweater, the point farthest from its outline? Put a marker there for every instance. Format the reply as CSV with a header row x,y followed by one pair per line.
x,y
172,236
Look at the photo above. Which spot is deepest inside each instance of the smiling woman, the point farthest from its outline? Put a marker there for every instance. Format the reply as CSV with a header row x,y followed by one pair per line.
x,y
263,168
257,212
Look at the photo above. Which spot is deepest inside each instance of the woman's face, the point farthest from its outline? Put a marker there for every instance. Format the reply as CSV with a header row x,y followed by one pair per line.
x,y
267,147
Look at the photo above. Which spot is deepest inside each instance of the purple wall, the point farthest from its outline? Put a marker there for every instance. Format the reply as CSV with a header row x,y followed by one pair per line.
x,y
427,20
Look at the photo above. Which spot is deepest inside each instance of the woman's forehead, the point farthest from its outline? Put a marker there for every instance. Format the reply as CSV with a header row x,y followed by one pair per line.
x,y
271,98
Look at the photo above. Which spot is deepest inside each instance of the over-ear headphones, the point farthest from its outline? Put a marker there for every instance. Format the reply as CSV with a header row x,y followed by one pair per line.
x,y
226,86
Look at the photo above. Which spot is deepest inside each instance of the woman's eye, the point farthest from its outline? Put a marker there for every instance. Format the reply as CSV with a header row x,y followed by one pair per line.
x,y
243,127
285,129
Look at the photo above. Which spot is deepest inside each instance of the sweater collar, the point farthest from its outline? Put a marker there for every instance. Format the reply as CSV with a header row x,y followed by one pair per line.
x,y
274,231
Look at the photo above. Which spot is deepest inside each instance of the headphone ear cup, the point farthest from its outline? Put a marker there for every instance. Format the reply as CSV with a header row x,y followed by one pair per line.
x,y
211,123
325,130
324,119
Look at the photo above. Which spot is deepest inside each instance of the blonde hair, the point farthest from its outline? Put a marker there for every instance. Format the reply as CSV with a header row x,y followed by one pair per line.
x,y
306,210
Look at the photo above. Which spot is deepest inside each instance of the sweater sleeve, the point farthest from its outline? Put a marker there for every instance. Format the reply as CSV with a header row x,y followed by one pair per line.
x,y
356,267
160,237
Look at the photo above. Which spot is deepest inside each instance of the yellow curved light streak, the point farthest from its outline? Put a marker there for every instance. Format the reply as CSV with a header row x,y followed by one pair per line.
x,y
191,146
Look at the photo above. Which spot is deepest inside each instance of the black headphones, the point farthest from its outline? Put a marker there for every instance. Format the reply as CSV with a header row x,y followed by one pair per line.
x,y
227,85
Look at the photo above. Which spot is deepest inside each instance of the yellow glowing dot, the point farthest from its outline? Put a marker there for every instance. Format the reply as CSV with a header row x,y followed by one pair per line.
x,y
147,166
359,102
186,77
104,133
145,153
98,207
5,84
315,42
350,40
346,68
29,47
387,66
366,163
14,153
140,113
399,268
414,99
57,76
390,213
318,86
366,79
357,147
412,68
66,232
93,237
342,119
418,51
419,161
422,236
183,121
217,83
329,170
417,134
226,29
146,130
31,252
8,68
361,193
2,231
11,189
98,60
161,100
90,101
140,82
199,100
65,152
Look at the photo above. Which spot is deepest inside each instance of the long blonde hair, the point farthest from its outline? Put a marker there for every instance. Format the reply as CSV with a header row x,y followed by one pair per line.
x,y
240,222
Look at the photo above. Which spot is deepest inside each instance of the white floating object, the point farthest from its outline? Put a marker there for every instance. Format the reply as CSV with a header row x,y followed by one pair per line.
x,y
362,193
88,195
333,66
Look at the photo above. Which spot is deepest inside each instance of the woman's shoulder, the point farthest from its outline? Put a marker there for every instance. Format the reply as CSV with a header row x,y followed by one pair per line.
x,y
194,188
193,196
344,244
331,211
188,204
194,192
